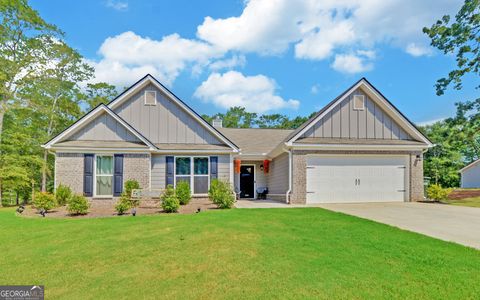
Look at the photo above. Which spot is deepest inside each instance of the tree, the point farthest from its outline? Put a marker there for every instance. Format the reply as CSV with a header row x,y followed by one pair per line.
x,y
461,38
55,96
97,93
236,117
444,159
271,121
20,162
24,36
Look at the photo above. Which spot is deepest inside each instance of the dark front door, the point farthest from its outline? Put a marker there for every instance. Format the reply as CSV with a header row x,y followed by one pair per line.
x,y
247,182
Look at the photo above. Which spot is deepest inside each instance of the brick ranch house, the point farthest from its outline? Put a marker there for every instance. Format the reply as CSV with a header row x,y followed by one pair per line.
x,y
358,148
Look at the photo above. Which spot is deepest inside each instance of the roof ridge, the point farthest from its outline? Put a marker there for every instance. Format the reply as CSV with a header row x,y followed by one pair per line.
x,y
257,128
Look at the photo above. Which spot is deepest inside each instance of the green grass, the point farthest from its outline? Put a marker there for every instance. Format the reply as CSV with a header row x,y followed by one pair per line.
x,y
263,253
472,202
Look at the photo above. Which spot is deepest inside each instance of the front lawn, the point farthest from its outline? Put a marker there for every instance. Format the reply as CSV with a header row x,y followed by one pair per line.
x,y
236,254
472,202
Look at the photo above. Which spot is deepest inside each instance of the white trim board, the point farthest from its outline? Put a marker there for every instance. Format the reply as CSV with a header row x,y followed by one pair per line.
x,y
90,116
380,100
150,79
355,147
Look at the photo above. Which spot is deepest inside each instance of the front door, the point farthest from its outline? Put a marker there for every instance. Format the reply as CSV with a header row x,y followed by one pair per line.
x,y
247,181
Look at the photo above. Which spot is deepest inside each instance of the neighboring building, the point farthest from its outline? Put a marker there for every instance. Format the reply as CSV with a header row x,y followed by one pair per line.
x,y
358,148
470,175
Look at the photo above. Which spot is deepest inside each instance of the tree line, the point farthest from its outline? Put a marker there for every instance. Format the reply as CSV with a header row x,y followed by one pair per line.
x,y
45,85
42,90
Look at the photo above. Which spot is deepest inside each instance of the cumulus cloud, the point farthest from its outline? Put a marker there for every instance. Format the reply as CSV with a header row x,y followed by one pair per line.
x,y
418,50
359,62
266,27
117,5
255,93
126,55
318,28
334,30
229,63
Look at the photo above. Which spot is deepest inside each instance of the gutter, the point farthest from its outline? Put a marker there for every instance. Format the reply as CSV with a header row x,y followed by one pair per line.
x,y
287,194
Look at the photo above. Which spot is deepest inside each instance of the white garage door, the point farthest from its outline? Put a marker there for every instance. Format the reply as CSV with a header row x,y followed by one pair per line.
x,y
356,179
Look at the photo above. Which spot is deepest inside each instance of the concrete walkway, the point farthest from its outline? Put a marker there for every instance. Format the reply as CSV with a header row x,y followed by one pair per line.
x,y
446,222
242,203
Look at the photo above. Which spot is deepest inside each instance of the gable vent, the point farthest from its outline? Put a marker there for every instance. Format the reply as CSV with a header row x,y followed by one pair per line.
x,y
359,102
150,98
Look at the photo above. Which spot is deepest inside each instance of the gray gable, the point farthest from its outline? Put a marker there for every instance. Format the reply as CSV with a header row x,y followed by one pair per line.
x,y
345,122
165,122
103,128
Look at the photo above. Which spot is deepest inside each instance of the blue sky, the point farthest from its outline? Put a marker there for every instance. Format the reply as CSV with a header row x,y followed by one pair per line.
x,y
287,56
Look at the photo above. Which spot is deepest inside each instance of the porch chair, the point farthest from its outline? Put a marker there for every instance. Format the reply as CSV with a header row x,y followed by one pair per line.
x,y
262,193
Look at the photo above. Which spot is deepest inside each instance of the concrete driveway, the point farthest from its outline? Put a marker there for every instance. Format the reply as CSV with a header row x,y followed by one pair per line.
x,y
446,222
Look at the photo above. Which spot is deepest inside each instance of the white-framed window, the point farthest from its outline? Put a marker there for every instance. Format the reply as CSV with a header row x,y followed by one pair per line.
x,y
150,98
358,102
103,181
195,170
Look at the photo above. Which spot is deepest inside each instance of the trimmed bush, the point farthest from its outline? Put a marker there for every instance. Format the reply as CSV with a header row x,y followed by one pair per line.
x,y
129,186
437,193
221,194
123,204
45,201
183,192
78,205
63,194
170,201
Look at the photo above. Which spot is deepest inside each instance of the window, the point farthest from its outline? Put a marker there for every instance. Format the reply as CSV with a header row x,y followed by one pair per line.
x,y
104,176
195,171
358,102
150,98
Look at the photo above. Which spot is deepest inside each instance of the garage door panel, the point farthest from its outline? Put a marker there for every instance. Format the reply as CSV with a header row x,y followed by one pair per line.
x,y
355,179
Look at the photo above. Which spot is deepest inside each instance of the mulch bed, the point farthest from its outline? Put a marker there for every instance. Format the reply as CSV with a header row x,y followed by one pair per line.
x,y
462,194
99,209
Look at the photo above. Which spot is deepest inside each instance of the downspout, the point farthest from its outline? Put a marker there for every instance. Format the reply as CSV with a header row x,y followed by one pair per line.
x,y
287,195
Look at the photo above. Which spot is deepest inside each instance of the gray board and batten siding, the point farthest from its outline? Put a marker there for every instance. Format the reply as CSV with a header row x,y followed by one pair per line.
x,y
343,121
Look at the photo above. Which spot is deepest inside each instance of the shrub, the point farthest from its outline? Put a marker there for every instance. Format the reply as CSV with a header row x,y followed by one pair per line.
x,y
123,204
131,185
170,201
183,192
78,205
221,194
63,194
437,193
45,201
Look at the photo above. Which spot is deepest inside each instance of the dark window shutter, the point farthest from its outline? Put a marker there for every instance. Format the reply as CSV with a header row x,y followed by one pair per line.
x,y
88,175
169,172
213,167
118,175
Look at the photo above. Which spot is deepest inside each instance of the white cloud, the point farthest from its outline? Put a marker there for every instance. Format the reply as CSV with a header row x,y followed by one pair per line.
x,y
265,26
128,56
429,122
359,62
117,5
337,30
418,50
230,63
318,29
315,89
255,93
